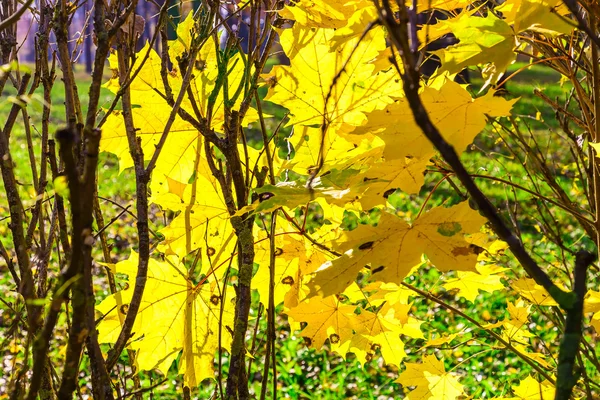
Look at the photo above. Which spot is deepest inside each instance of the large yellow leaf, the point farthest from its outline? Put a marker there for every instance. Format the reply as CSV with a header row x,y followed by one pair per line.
x,y
515,326
151,111
176,316
458,117
394,247
303,87
177,157
384,326
203,219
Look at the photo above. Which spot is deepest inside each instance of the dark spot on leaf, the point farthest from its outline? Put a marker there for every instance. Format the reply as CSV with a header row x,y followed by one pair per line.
x,y
215,299
388,193
278,251
307,341
461,251
378,269
375,347
210,251
366,246
334,338
265,196
288,280
449,228
124,308
272,81
200,65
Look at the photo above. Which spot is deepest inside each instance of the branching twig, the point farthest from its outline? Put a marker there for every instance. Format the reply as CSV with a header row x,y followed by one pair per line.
x,y
15,17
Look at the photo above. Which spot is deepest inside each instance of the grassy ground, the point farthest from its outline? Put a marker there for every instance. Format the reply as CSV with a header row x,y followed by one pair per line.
x,y
303,372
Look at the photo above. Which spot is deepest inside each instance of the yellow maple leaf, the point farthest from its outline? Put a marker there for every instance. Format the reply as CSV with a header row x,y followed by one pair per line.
x,y
203,219
370,174
394,247
544,16
337,152
295,257
482,40
321,13
389,292
531,389
385,176
177,157
431,381
176,316
592,304
515,331
151,111
533,292
458,116
440,340
292,195
326,318
374,331
361,334
470,283
355,92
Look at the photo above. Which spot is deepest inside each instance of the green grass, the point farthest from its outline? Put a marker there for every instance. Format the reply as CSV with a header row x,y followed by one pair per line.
x,y
110,184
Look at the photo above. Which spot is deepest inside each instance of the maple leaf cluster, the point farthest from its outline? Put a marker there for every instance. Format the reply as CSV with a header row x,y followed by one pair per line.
x,y
353,142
